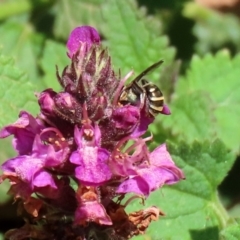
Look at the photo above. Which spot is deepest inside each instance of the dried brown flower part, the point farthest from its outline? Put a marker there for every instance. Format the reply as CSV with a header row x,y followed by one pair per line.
x,y
222,5
33,206
142,219
125,226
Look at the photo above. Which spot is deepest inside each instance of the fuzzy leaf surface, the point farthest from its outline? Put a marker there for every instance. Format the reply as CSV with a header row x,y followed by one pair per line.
x,y
192,207
19,40
213,29
232,232
206,103
135,40
54,55
16,92
191,119
74,13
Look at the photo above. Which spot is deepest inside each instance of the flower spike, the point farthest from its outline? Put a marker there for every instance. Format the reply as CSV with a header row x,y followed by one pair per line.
x,y
85,152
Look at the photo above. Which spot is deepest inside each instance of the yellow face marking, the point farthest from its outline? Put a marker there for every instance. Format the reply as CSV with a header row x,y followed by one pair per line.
x,y
153,89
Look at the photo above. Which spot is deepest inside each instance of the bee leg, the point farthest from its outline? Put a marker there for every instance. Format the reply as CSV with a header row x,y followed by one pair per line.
x,y
142,100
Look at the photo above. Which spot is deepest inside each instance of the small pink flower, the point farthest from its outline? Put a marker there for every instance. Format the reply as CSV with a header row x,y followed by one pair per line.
x,y
24,131
91,160
146,172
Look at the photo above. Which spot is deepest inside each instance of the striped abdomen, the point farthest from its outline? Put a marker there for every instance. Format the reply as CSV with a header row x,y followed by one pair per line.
x,y
154,96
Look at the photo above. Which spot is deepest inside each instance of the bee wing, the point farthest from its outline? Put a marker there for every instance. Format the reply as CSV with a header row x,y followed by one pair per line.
x,y
148,70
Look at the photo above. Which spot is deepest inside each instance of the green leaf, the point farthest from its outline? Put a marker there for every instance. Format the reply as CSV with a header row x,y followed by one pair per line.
x,y
192,118
20,40
135,40
1,236
11,7
192,207
74,13
16,92
168,79
212,29
6,152
232,232
4,187
207,101
54,54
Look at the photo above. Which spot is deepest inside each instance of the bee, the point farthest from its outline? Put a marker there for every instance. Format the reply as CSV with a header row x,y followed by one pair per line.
x,y
141,92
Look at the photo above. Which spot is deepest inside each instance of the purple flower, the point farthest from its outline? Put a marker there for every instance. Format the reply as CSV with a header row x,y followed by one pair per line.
x,y
142,127
82,35
91,160
94,211
166,110
146,171
59,106
126,117
24,131
84,152
29,171
89,208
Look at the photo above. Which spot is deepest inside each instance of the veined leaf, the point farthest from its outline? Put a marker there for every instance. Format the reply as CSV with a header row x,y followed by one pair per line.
x,y
213,113
16,92
54,55
192,207
20,41
74,13
135,40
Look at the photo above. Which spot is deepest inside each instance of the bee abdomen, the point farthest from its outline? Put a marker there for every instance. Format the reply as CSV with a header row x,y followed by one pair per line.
x,y
156,105
154,96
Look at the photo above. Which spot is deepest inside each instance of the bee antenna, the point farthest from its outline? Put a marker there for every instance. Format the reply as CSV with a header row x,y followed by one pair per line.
x,y
148,70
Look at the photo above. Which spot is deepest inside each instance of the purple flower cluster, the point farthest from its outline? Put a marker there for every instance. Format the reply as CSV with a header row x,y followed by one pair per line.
x,y
84,152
